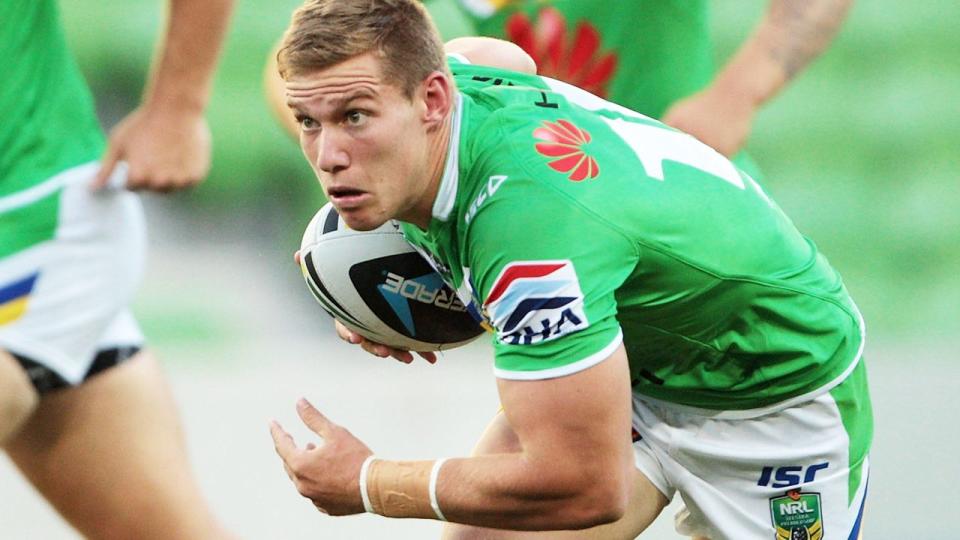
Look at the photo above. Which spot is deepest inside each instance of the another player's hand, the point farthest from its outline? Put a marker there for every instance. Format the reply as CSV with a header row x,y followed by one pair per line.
x,y
717,118
165,150
326,473
379,349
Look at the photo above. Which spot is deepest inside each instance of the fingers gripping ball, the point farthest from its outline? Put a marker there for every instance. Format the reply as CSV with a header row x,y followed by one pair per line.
x,y
378,286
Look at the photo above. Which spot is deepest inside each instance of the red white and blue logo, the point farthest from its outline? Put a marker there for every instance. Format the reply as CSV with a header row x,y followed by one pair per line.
x,y
535,301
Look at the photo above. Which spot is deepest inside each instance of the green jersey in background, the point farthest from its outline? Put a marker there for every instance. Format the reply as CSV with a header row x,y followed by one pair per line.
x,y
570,221
643,54
49,122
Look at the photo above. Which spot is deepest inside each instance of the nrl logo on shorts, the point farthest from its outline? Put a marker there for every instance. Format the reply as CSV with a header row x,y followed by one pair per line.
x,y
796,516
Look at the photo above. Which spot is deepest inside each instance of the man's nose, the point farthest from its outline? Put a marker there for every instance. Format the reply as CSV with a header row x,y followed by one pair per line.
x,y
332,156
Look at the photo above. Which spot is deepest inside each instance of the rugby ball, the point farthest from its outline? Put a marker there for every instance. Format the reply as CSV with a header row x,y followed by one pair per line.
x,y
377,285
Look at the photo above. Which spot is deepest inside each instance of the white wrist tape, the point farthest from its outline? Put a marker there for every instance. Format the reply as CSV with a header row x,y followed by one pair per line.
x,y
434,474
363,483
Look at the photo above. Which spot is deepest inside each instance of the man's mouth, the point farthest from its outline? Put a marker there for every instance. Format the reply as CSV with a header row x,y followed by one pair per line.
x,y
345,196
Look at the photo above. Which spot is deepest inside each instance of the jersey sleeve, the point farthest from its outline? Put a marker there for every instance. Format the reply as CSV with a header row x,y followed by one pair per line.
x,y
546,271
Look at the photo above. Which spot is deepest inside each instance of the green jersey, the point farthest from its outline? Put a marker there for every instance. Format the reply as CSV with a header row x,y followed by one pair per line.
x,y
643,54
49,121
573,224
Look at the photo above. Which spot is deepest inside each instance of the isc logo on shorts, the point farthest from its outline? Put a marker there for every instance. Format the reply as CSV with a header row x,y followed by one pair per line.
x,y
790,475
535,301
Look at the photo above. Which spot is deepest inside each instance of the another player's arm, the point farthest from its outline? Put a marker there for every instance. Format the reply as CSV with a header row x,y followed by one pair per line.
x,y
478,50
486,51
573,470
166,141
277,97
789,36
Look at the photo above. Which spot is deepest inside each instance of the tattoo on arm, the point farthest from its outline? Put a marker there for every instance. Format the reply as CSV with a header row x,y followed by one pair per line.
x,y
802,29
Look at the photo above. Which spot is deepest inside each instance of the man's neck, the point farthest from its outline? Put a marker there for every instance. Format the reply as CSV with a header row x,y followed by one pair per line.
x,y
437,151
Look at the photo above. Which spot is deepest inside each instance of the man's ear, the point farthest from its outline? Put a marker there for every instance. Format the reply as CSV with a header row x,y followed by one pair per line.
x,y
438,94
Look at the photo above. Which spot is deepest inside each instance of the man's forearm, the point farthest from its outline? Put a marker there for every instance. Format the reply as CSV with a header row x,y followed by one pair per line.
x,y
791,34
182,71
507,491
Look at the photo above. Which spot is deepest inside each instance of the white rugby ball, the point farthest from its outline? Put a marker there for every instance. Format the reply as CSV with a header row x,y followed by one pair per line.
x,y
377,285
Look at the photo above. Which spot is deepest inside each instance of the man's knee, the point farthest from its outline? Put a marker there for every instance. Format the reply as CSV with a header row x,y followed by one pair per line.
x,y
18,398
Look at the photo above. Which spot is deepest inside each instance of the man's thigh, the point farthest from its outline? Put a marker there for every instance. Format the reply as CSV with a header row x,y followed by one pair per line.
x,y
645,504
109,455
796,473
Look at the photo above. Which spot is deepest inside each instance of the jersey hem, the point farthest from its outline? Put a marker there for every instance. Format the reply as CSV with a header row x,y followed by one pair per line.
x,y
46,188
562,371
743,414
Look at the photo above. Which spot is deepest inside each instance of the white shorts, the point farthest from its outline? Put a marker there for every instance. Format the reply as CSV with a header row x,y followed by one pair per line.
x,y
64,298
795,474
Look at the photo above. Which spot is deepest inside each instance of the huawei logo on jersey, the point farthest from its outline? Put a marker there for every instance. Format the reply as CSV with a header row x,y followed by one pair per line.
x,y
563,142
577,61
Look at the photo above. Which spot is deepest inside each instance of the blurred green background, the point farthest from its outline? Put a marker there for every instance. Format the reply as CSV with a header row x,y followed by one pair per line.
x,y
861,150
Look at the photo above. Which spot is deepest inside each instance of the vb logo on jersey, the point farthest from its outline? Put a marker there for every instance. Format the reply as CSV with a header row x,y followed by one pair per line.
x,y
564,142
797,516
536,301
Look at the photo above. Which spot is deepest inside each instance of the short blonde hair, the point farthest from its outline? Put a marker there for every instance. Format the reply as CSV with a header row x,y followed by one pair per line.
x,y
323,33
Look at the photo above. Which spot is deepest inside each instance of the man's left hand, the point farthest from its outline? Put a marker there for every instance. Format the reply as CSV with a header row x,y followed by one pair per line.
x,y
329,473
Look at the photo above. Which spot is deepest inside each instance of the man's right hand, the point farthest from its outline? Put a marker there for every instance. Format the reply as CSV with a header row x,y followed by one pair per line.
x,y
372,347
379,349
165,150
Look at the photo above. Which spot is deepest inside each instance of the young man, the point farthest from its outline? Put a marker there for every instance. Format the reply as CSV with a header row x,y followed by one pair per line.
x,y
85,412
634,276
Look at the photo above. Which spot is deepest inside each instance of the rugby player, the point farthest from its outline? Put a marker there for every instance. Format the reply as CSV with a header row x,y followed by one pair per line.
x,y
85,412
661,325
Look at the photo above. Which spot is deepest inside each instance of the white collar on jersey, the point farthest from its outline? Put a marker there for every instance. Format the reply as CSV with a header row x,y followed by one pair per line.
x,y
447,193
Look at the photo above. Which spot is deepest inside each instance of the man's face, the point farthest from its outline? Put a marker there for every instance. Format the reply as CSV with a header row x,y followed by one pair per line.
x,y
365,140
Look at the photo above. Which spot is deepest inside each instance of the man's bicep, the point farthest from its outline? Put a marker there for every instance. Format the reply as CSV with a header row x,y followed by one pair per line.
x,y
580,421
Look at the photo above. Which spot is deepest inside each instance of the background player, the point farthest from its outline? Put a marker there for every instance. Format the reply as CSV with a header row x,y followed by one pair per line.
x,y
656,57
85,413
739,341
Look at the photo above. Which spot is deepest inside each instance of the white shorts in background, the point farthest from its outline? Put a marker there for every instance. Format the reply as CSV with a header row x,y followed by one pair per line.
x,y
66,299
795,474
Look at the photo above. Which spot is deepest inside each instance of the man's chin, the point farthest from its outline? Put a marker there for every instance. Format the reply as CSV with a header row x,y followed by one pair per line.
x,y
357,221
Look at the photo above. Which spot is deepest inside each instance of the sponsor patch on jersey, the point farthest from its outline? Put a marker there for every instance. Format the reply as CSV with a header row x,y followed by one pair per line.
x,y
535,301
797,516
562,142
